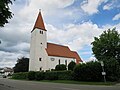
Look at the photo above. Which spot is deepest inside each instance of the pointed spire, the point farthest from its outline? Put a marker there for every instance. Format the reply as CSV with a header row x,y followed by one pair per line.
x,y
39,22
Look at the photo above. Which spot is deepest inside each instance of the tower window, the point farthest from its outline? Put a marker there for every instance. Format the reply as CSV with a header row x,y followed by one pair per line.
x,y
40,59
40,32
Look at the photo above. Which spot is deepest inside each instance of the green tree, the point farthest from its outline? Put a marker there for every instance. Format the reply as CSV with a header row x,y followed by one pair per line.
x,y
60,67
71,65
5,12
107,45
22,65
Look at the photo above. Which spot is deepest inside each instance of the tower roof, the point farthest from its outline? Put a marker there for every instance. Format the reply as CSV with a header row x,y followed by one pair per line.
x,y
39,23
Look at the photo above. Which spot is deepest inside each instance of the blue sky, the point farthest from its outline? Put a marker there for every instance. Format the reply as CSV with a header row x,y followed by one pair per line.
x,y
74,23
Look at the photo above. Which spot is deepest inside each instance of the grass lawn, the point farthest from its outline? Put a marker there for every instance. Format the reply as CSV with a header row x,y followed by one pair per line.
x,y
72,82
79,82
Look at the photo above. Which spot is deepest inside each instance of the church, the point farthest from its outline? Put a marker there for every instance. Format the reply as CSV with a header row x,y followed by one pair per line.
x,y
45,55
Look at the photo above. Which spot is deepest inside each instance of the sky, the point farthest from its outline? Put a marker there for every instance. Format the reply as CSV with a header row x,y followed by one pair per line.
x,y
73,23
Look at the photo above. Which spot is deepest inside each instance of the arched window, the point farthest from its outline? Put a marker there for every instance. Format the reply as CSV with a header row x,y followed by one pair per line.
x,y
66,62
59,61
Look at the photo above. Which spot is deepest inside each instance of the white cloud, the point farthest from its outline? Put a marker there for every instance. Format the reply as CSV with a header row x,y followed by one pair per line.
x,y
116,17
8,59
47,6
107,7
91,6
75,36
110,4
117,26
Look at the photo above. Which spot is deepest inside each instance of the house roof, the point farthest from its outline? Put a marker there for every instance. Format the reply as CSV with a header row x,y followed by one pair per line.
x,y
62,51
7,69
39,23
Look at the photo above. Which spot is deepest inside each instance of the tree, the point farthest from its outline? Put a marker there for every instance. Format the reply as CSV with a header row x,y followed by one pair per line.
x,y
22,65
107,45
60,67
5,12
71,65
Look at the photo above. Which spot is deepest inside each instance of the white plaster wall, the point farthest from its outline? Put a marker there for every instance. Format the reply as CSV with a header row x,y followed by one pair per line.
x,y
52,64
37,50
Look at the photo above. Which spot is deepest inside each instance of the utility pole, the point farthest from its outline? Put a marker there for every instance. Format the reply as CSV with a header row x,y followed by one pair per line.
x,y
103,71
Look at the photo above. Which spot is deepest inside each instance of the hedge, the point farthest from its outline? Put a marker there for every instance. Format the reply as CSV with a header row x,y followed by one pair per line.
x,y
31,75
39,76
58,75
91,71
49,75
21,75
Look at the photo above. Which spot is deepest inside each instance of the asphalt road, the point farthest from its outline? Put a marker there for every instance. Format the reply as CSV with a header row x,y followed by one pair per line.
x,y
7,84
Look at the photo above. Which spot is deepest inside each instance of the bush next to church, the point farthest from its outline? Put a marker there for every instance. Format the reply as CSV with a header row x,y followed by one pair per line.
x,y
65,75
60,67
39,76
58,75
21,75
52,75
91,71
49,75
31,75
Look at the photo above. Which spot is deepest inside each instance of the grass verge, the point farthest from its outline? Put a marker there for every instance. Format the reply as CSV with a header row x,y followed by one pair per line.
x,y
72,82
79,82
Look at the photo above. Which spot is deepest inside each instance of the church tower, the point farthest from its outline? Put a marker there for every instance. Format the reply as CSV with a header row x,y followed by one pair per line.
x,y
38,45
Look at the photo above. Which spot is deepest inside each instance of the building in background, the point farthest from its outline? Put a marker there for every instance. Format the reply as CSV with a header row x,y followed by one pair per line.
x,y
6,71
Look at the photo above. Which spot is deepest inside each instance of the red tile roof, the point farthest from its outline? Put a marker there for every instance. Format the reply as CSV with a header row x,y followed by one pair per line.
x,y
39,23
62,51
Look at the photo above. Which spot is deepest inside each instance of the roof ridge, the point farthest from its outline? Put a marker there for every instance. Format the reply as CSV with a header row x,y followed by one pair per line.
x,y
58,44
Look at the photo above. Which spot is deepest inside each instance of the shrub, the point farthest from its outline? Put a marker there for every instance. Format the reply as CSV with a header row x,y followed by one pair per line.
x,y
58,75
64,75
71,65
112,69
39,76
90,71
31,75
60,67
51,75
21,75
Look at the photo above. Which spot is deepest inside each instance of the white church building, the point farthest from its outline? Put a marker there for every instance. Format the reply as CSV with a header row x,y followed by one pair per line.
x,y
44,55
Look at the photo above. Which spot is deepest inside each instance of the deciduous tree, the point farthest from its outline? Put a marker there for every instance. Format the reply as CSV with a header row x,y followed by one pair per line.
x,y
22,65
107,45
5,12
